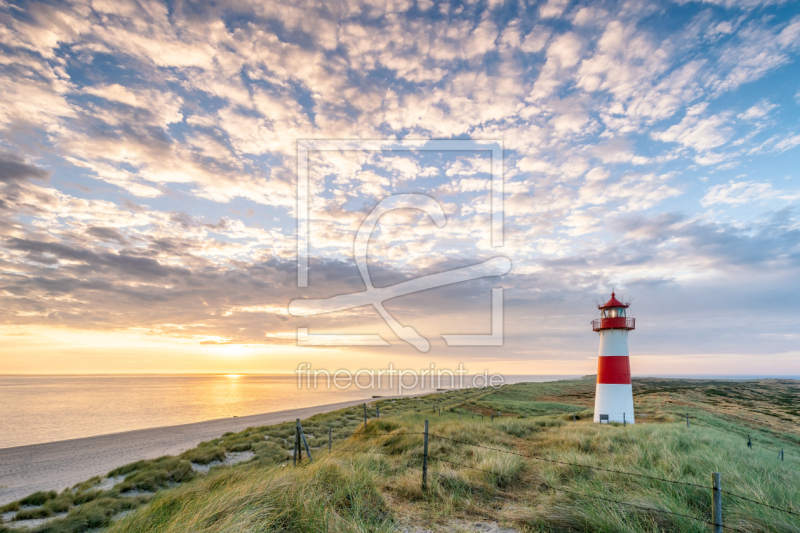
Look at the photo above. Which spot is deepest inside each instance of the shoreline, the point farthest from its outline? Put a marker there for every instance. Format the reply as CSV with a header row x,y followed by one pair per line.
x,y
61,464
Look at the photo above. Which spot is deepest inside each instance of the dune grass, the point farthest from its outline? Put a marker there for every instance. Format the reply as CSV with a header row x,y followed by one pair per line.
x,y
329,495
372,482
353,490
467,482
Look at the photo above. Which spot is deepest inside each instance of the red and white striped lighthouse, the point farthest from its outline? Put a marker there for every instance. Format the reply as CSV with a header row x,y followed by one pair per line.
x,y
613,395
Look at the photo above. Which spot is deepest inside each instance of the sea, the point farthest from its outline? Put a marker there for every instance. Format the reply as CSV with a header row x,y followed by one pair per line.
x,y
40,408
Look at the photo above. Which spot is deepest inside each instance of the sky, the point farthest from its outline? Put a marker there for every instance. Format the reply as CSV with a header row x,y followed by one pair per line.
x,y
149,182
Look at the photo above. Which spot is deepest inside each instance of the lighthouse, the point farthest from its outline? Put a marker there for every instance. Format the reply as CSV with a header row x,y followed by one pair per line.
x,y
613,396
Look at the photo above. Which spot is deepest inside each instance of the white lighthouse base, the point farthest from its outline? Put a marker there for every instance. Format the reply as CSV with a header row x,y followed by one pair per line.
x,y
614,400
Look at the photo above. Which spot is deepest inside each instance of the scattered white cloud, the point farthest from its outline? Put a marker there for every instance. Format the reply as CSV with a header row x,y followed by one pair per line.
x,y
756,50
787,143
744,192
741,4
553,8
701,134
536,40
563,53
758,111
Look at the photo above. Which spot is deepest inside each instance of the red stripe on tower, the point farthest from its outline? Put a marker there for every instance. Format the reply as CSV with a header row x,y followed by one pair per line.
x,y
614,369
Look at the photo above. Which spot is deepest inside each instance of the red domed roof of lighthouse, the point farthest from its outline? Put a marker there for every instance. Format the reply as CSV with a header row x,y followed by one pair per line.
x,y
613,302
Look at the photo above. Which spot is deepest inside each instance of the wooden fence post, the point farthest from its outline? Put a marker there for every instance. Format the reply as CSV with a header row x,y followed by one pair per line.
x,y
623,420
294,453
716,510
330,437
378,412
749,442
365,417
687,420
425,457
299,442
573,418
303,439
781,454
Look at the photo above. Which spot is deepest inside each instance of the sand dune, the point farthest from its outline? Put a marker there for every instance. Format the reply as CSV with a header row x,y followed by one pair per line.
x,y
58,465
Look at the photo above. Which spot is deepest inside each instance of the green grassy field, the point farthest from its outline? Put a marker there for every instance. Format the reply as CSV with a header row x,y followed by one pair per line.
x,y
372,482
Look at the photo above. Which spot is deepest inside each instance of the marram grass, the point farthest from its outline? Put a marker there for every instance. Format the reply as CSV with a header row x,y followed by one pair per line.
x,y
373,482
354,490
330,495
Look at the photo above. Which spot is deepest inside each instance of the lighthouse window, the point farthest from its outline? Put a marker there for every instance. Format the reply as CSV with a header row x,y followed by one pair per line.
x,y
614,313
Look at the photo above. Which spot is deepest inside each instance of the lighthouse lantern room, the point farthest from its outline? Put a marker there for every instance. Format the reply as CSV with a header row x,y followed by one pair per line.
x,y
613,395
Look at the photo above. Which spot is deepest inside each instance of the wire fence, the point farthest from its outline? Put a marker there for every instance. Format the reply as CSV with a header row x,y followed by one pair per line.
x,y
760,503
586,496
621,472
541,484
752,445
717,523
534,457
779,452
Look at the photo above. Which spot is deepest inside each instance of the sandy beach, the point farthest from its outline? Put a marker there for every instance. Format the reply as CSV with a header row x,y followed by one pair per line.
x,y
58,465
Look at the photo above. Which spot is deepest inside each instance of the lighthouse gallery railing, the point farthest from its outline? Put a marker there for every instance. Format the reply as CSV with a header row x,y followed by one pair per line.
x,y
613,323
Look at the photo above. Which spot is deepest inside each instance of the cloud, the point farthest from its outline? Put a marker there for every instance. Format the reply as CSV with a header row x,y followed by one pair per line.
x,y
553,8
536,40
787,143
758,111
646,78
14,169
741,4
107,234
124,263
563,53
754,51
744,192
148,131
701,134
